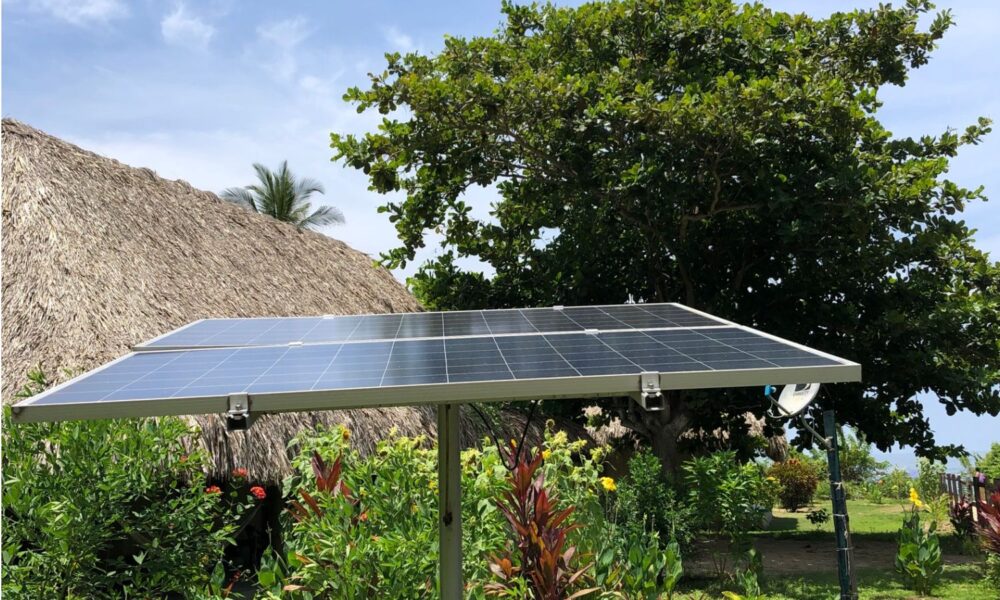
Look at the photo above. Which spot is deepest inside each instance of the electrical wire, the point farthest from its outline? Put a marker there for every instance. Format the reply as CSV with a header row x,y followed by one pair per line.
x,y
512,459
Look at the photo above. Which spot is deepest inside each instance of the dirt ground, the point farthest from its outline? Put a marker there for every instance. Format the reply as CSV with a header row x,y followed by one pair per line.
x,y
791,557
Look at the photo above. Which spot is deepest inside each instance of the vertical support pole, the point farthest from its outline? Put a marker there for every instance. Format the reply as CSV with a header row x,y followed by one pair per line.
x,y
449,503
845,570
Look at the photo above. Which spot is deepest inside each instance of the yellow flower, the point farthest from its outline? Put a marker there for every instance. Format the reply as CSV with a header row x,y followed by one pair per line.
x,y
772,479
915,498
513,443
345,433
546,454
432,484
608,484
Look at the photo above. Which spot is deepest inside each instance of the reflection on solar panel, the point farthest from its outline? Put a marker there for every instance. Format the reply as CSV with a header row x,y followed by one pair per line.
x,y
215,333
292,364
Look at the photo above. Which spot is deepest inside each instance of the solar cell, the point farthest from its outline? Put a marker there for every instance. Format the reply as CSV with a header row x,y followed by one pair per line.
x,y
214,333
407,371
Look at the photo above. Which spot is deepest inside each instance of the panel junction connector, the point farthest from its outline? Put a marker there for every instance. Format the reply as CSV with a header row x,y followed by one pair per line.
x,y
239,417
650,396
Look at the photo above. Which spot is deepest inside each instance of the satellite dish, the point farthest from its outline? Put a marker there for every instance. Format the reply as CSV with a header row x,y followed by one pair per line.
x,y
796,398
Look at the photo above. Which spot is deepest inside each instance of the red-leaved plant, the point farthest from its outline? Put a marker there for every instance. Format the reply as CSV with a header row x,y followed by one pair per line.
x,y
540,533
988,527
327,481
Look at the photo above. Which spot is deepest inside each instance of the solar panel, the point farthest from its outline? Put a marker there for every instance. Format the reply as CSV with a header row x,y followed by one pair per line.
x,y
429,369
220,333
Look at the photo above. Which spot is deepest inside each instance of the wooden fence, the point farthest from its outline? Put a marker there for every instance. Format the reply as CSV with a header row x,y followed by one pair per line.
x,y
970,489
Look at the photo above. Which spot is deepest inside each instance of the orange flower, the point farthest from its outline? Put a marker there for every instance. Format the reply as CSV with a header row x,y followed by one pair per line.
x,y
240,473
213,489
258,492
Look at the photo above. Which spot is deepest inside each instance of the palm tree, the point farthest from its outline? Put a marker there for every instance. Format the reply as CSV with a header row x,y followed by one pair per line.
x,y
281,196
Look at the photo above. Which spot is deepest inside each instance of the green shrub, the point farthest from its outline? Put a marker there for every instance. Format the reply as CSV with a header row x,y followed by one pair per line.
x,y
896,484
380,538
918,557
992,568
798,481
928,482
640,569
106,509
818,517
989,465
875,492
646,502
857,463
729,497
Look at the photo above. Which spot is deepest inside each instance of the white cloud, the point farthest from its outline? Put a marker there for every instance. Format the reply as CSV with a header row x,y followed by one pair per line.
x,y
279,41
287,33
182,29
81,12
398,40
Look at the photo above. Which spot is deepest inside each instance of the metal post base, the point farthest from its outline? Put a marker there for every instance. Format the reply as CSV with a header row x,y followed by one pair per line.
x,y
845,569
449,502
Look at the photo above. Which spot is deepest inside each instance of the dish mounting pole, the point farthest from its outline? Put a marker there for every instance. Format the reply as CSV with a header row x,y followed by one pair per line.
x,y
845,567
449,502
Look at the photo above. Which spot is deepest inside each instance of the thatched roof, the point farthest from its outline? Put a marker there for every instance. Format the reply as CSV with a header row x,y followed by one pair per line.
x,y
99,256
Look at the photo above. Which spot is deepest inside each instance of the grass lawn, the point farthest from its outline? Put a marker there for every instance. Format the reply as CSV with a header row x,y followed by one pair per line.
x,y
959,582
800,560
866,519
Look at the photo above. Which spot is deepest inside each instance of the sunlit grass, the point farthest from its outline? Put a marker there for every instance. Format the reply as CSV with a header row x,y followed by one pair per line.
x,y
865,518
869,522
959,582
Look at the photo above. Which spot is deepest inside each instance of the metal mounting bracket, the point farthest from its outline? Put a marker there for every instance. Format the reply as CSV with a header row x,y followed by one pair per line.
x,y
238,415
650,396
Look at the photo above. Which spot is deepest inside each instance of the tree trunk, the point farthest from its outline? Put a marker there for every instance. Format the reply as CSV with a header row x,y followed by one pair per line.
x,y
662,429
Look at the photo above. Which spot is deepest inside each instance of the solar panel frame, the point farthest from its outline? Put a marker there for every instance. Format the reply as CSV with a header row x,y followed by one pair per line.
x,y
582,382
515,321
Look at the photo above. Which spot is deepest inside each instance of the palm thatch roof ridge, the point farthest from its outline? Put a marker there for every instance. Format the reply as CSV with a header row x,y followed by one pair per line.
x,y
98,256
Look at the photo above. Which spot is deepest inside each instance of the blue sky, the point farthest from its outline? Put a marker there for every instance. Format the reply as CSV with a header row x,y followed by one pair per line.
x,y
200,90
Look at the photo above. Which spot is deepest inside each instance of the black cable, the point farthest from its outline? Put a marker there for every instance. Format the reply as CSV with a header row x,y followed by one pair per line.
x,y
524,433
512,459
492,433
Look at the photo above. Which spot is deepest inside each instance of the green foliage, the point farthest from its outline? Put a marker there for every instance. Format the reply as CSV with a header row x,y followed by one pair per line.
x,y
749,578
379,537
280,195
992,570
641,570
798,481
928,481
989,465
645,502
818,517
875,491
918,556
897,483
729,497
106,509
857,465
717,153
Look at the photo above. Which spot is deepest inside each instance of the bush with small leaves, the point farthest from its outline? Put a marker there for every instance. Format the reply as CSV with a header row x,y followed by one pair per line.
x,y
646,501
798,482
107,509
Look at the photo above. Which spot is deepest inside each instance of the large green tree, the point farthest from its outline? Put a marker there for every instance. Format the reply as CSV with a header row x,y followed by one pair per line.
x,y
285,197
725,156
